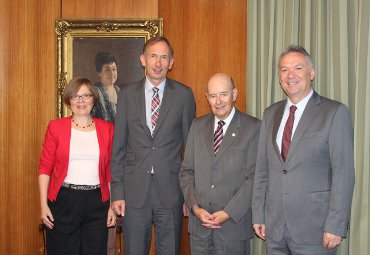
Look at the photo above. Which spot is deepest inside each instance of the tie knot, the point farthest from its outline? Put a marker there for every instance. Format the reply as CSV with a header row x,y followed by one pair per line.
x,y
292,109
155,90
221,123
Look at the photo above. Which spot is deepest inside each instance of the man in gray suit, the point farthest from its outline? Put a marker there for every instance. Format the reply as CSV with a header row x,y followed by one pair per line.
x,y
216,176
151,126
305,171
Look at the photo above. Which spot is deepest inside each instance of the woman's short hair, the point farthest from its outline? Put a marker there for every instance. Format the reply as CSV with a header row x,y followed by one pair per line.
x,y
103,58
74,86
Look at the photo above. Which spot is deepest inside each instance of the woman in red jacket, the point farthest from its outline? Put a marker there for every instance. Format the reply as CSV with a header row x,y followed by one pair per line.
x,y
74,176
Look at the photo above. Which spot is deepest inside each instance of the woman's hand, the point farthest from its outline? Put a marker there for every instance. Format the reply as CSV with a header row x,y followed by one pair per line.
x,y
112,218
47,217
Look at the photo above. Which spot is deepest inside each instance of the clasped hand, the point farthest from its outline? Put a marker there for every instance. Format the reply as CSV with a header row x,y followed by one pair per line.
x,y
212,221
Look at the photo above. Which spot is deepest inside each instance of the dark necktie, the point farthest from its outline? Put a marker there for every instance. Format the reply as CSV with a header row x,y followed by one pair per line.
x,y
217,138
155,107
285,144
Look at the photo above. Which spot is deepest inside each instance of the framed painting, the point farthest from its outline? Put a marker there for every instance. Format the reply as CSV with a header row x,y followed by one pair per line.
x,y
79,41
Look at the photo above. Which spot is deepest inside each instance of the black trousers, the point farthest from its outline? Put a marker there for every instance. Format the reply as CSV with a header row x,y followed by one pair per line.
x,y
80,223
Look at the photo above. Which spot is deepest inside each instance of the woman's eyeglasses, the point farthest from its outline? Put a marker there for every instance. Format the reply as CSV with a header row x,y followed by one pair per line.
x,y
83,97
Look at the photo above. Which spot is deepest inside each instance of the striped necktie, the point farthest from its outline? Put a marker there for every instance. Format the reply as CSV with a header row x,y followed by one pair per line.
x,y
217,138
155,107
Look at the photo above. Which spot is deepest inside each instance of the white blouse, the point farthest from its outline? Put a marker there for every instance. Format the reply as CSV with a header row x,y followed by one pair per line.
x,y
83,167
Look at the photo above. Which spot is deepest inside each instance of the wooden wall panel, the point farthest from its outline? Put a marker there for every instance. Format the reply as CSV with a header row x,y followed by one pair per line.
x,y
207,37
27,103
4,56
112,8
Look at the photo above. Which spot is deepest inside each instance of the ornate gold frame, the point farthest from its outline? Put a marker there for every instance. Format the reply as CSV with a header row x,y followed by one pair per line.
x,y
68,30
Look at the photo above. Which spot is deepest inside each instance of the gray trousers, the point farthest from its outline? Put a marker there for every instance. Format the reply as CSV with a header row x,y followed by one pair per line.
x,y
286,246
137,227
214,245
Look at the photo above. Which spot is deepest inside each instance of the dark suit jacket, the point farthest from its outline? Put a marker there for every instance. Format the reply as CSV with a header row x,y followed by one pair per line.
x,y
312,191
55,154
135,151
224,182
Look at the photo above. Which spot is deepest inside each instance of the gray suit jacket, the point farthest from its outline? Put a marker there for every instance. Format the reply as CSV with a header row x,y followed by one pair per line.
x,y
135,151
312,191
224,182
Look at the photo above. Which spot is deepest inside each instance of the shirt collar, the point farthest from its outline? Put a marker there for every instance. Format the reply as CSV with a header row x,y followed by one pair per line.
x,y
228,119
149,86
302,104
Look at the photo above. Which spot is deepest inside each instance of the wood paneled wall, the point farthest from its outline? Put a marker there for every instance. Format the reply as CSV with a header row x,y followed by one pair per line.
x,y
208,36
85,9
27,103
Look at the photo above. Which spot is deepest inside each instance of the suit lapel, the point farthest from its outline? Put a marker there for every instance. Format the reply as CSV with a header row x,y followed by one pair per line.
x,y
140,102
208,134
232,133
167,101
309,113
276,124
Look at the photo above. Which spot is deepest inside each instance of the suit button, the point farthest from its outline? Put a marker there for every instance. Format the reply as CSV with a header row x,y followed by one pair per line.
x,y
285,171
212,186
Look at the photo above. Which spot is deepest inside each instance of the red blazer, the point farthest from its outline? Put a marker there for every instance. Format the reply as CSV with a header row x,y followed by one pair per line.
x,y
55,154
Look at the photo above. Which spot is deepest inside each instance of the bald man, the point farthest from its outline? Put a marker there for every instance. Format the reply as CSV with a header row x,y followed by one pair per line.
x,y
216,176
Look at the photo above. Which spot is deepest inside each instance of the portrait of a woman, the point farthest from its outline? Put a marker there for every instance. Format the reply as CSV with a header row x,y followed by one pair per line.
x,y
107,67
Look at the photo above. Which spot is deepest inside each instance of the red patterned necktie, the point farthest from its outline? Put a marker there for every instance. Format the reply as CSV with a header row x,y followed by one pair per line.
x,y
217,138
285,144
155,106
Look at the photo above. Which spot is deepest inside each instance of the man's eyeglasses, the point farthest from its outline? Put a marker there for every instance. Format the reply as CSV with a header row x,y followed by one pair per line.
x,y
83,97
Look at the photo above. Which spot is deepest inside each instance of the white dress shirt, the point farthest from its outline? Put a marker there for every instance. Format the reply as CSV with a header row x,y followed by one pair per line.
x,y
227,121
297,116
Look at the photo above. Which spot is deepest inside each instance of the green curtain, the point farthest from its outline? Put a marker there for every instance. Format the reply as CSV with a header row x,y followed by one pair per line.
x,y
337,35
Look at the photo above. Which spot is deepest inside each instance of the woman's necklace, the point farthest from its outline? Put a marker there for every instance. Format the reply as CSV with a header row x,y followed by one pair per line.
x,y
75,123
